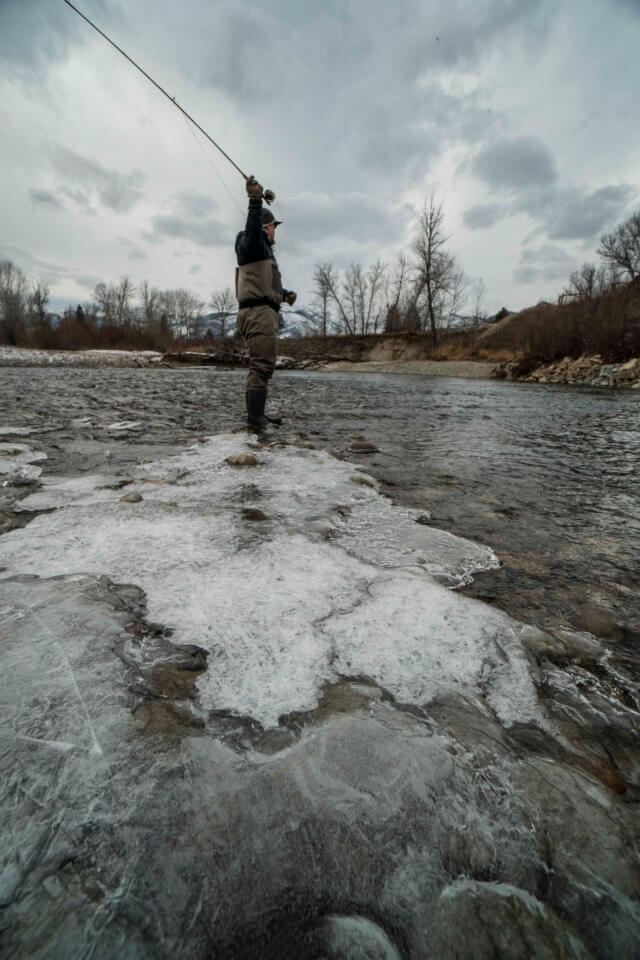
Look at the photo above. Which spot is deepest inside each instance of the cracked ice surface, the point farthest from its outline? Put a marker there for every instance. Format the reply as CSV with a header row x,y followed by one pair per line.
x,y
134,824
282,610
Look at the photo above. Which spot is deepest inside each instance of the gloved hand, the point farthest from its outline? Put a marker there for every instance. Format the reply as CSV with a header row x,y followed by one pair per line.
x,y
254,189
290,297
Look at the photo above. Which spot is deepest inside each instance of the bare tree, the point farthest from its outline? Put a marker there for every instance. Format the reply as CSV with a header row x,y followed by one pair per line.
x,y
106,302
396,294
374,295
124,295
591,281
332,281
352,296
224,303
439,283
324,283
478,293
188,313
622,247
13,303
37,303
150,298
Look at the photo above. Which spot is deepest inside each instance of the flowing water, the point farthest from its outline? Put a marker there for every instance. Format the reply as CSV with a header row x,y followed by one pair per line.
x,y
273,712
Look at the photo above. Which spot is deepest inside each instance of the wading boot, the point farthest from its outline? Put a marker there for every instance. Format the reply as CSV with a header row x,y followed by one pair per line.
x,y
257,419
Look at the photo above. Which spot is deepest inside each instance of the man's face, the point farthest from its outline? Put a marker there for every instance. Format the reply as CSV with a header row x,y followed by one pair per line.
x,y
270,230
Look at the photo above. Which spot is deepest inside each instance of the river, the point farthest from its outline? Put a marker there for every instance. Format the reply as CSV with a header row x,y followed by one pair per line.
x,y
298,716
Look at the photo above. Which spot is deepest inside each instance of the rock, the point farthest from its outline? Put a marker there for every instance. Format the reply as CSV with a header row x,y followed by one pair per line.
x,y
362,480
471,920
543,646
363,446
598,621
242,460
424,518
628,371
252,513
335,453
131,498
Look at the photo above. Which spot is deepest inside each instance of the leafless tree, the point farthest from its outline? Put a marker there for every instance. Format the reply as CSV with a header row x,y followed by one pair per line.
x,y
333,286
398,293
106,299
590,281
124,295
374,295
189,313
150,301
323,281
13,303
440,285
351,295
37,303
478,293
224,303
622,247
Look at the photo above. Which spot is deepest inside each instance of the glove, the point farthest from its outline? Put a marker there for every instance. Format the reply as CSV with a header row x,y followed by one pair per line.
x,y
254,189
290,297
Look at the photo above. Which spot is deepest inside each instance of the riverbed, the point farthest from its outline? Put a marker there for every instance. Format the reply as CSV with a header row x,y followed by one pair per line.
x,y
346,702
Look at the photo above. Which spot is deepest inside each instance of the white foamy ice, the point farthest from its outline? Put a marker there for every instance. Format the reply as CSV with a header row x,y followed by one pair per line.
x,y
281,608
17,462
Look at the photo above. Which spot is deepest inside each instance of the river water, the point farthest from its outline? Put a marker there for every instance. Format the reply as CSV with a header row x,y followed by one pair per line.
x,y
427,777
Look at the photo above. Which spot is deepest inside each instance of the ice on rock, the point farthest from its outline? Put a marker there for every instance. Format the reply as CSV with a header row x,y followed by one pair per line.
x,y
13,456
125,425
282,613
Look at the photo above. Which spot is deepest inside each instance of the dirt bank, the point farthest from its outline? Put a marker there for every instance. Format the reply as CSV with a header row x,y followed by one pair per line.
x,y
472,369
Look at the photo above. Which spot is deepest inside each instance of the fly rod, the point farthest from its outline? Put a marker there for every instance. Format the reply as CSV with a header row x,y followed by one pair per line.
x,y
268,195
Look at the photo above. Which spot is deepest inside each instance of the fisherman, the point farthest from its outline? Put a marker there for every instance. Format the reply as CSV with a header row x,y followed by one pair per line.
x,y
260,295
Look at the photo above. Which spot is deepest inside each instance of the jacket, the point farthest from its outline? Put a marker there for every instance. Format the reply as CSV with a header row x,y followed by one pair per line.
x,y
258,280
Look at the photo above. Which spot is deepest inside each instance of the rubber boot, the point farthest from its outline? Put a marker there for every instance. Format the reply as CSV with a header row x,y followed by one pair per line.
x,y
257,419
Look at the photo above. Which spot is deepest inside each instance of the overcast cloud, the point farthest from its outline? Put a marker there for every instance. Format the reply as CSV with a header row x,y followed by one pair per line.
x,y
520,116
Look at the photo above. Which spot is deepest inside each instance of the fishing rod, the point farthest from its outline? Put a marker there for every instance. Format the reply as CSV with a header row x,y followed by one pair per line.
x,y
268,195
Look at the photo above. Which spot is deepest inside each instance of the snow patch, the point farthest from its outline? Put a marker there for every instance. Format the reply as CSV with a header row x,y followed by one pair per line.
x,y
334,582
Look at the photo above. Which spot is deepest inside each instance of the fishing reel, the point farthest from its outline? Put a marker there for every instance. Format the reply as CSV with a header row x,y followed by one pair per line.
x,y
268,196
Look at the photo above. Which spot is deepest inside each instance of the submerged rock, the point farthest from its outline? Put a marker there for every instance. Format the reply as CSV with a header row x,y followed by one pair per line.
x,y
494,921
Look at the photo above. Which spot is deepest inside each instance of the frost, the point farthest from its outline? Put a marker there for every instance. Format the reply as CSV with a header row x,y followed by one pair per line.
x,y
335,582
13,456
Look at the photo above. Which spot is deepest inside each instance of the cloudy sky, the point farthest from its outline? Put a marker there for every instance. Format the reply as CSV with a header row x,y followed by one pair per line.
x,y
521,115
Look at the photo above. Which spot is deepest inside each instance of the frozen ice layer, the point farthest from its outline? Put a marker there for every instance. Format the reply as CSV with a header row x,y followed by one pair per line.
x,y
14,456
335,581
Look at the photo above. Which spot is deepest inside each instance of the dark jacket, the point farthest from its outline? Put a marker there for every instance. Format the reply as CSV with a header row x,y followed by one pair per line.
x,y
258,279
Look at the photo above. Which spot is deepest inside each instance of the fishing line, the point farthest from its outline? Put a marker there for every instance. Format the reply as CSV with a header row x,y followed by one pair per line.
x,y
214,168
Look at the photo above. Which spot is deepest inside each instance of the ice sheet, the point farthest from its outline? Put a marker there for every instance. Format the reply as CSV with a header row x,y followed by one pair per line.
x,y
335,581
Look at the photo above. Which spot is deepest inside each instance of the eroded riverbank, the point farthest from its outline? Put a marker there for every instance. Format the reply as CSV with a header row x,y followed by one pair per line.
x,y
293,733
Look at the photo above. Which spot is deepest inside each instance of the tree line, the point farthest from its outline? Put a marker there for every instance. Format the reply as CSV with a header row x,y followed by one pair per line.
x,y
423,290
598,310
119,315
